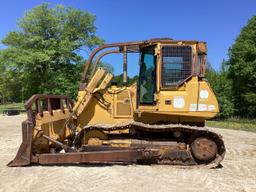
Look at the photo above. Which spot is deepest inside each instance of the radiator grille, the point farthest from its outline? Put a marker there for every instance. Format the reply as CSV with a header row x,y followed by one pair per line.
x,y
176,65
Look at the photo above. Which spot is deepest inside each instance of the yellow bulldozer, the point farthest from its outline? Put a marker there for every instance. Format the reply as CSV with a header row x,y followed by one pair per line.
x,y
157,120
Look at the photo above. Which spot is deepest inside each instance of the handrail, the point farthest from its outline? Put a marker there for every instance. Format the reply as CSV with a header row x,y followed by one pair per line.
x,y
100,56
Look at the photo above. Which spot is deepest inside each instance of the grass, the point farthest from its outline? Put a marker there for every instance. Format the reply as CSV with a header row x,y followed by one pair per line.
x,y
11,106
237,124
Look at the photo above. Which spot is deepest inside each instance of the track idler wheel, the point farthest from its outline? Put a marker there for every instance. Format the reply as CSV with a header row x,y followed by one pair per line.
x,y
204,149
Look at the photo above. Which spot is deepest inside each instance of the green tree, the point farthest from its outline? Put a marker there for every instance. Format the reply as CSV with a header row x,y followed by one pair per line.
x,y
242,70
130,80
44,54
223,89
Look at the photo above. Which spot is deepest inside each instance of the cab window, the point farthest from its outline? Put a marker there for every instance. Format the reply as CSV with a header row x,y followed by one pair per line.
x,y
176,65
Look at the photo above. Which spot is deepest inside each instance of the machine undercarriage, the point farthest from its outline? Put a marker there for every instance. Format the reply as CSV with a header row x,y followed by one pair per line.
x,y
174,144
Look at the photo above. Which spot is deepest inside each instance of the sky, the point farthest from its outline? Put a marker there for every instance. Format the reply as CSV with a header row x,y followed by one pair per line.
x,y
217,22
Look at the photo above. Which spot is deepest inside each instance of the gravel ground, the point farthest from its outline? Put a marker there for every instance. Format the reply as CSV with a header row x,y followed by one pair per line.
x,y
237,174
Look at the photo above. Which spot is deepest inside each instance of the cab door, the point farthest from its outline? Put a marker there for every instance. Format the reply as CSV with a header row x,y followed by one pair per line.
x,y
147,77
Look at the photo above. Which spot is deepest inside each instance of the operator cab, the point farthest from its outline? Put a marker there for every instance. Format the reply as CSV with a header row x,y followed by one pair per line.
x,y
174,64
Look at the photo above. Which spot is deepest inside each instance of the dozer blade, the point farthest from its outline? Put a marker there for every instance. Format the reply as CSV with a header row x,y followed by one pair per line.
x,y
23,156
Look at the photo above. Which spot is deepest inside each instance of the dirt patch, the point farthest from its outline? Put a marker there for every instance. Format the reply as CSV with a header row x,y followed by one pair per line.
x,y
237,174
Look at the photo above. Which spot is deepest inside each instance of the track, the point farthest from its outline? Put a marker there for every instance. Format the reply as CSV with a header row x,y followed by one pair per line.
x,y
189,131
237,174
